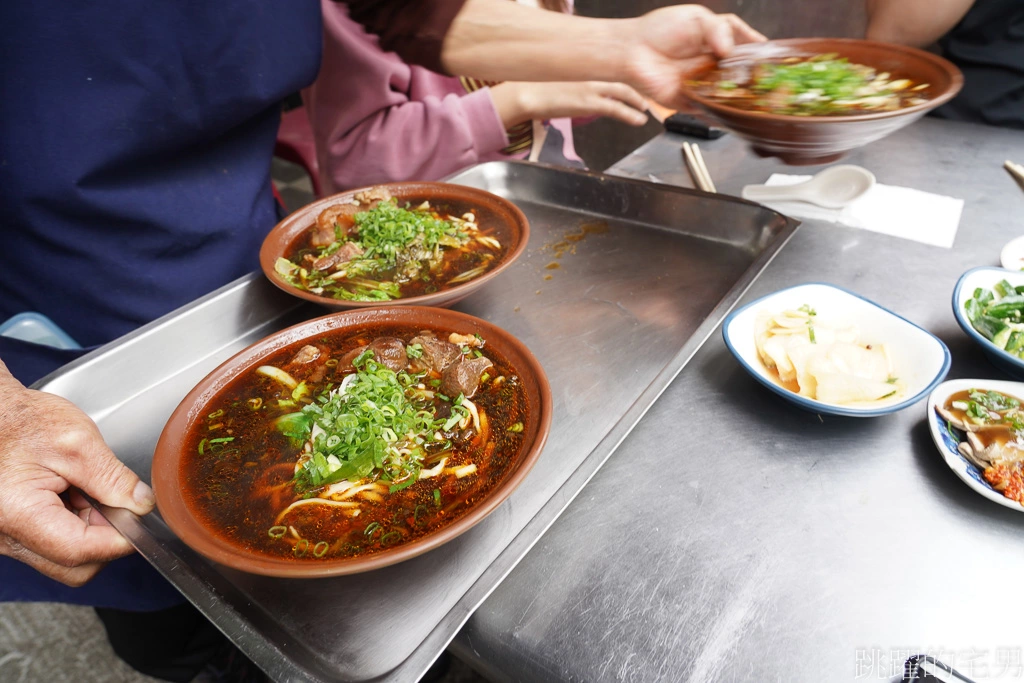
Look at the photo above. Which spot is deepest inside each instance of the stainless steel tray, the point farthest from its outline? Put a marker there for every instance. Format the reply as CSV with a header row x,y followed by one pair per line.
x,y
655,271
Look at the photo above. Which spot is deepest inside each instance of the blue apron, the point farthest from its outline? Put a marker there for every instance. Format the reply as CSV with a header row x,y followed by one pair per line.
x,y
135,146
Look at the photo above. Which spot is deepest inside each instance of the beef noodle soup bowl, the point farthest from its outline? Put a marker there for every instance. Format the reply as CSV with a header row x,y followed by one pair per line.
x,y
812,100
420,243
351,442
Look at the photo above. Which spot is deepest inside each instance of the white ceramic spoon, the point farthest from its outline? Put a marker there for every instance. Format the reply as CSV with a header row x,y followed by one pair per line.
x,y
832,188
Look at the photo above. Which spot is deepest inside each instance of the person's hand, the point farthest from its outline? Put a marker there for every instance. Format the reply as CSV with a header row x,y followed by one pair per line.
x,y
47,447
662,42
517,102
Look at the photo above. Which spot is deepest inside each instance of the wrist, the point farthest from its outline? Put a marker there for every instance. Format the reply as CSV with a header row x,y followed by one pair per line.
x,y
512,102
617,41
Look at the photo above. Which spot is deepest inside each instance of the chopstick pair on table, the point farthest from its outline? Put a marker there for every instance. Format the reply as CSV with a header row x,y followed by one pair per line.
x,y
1016,170
698,169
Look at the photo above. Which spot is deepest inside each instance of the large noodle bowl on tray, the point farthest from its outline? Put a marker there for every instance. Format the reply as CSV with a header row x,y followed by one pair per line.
x,y
351,442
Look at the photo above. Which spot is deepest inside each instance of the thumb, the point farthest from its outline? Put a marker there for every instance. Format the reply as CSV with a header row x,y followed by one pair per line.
x,y
91,466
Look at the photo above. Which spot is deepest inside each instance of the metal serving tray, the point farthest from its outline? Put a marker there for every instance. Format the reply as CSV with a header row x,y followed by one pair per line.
x,y
645,273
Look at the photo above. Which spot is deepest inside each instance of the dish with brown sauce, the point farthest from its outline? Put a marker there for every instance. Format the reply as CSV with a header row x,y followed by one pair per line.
x,y
989,426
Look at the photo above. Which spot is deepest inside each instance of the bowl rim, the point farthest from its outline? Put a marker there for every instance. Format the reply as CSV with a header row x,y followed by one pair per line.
x,y
442,297
166,468
956,84
828,408
968,328
954,460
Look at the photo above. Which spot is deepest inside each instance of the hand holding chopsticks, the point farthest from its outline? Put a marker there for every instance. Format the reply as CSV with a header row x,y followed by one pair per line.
x,y
698,169
1017,171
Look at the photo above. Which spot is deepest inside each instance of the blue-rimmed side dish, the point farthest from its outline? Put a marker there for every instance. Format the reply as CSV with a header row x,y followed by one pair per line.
x,y
919,359
992,315
950,440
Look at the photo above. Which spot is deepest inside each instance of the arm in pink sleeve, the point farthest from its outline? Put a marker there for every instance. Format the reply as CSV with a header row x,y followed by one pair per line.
x,y
370,129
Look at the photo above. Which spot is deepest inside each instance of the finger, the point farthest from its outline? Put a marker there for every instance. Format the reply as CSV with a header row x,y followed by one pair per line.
x,y
718,34
85,461
742,32
92,516
84,509
71,576
615,109
626,94
45,527
77,500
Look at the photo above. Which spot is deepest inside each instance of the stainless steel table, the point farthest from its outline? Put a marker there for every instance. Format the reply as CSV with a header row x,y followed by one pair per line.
x,y
733,537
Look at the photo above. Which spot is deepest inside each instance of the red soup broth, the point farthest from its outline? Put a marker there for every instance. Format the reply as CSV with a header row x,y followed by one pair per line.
x,y
239,470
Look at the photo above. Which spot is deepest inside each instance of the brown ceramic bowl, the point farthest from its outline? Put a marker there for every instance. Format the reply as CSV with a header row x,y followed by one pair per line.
x,y
168,478
493,212
805,140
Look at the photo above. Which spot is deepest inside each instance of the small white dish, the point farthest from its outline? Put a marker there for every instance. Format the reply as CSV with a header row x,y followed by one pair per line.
x,y
947,441
987,277
1012,255
920,358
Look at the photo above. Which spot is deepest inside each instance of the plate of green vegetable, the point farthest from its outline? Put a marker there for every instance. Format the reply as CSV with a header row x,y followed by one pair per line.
x,y
988,304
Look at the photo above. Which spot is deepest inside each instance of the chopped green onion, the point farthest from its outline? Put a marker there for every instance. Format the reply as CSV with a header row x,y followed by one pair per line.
x,y
390,538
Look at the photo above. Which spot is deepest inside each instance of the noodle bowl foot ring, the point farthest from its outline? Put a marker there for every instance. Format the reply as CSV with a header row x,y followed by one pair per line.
x,y
351,442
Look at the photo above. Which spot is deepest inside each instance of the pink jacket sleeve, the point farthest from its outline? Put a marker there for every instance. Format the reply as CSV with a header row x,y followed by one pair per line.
x,y
376,119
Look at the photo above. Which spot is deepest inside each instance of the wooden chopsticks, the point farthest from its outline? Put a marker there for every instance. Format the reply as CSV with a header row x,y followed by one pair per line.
x,y
698,169
1015,170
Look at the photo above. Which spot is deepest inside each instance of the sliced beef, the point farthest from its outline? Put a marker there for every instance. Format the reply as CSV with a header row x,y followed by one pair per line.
x,y
307,354
463,376
346,253
390,352
373,196
309,363
340,216
437,353
345,362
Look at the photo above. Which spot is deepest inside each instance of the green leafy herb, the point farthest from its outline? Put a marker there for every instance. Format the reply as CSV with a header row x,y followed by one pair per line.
x,y
976,412
993,400
820,85
951,432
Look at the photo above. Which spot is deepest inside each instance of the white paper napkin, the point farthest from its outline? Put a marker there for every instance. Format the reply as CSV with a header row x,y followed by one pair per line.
x,y
897,211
